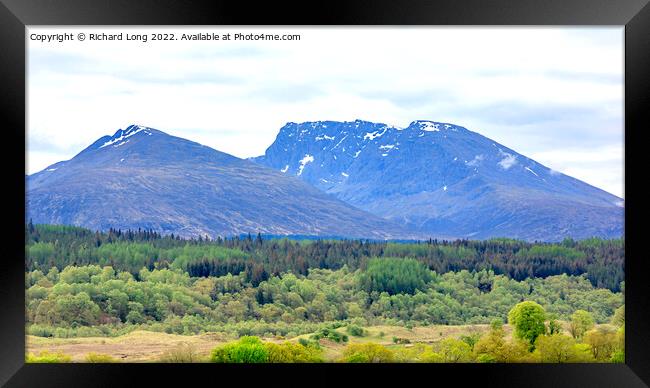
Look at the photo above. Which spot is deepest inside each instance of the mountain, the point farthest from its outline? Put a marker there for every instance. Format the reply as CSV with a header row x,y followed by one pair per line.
x,y
144,178
443,180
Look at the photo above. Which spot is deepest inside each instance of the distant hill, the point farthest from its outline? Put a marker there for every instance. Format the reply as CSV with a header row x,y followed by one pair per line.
x,y
144,178
443,180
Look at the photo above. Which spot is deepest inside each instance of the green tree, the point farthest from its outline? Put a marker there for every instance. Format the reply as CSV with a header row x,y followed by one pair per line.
x,y
603,341
395,276
136,312
581,322
559,348
554,326
528,320
493,347
471,339
453,350
619,316
78,309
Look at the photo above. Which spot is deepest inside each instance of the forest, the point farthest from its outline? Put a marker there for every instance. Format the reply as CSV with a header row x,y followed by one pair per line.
x,y
601,261
81,283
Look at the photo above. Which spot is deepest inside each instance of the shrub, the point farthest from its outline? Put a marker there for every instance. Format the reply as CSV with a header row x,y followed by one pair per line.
x,y
48,357
329,334
398,340
485,358
289,352
355,330
181,353
618,357
100,358
307,342
247,350
40,331
430,356
367,353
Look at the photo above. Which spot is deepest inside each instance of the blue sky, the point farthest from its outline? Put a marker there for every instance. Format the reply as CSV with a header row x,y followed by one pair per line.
x,y
552,94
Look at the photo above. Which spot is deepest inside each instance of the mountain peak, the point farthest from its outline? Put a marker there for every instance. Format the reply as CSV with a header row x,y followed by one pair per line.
x,y
361,125
122,135
433,126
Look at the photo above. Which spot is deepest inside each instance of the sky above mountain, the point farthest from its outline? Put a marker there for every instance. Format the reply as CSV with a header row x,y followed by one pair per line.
x,y
553,94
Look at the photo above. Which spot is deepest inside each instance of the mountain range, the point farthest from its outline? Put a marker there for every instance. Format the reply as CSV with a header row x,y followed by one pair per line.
x,y
340,179
144,178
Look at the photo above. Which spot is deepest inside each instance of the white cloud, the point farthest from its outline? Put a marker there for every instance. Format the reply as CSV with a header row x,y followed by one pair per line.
x,y
536,90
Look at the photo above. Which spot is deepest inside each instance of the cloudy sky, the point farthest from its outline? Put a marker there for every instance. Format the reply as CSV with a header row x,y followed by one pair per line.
x,y
552,94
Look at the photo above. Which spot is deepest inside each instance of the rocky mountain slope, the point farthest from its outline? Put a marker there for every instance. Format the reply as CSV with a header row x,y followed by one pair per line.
x,y
443,180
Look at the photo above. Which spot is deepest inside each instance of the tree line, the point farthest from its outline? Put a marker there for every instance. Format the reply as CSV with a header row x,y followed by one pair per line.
x,y
48,246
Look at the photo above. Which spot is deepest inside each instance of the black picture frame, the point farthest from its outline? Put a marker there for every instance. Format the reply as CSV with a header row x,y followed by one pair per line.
x,y
16,14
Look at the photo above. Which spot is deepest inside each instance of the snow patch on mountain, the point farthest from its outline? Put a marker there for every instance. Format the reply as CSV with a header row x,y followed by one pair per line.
x,y
375,134
125,134
303,162
341,141
533,172
476,161
429,126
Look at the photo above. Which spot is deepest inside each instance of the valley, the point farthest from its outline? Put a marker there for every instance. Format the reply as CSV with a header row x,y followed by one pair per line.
x,y
345,242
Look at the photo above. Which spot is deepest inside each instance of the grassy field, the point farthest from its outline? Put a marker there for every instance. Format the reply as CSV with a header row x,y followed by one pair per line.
x,y
145,346
137,346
